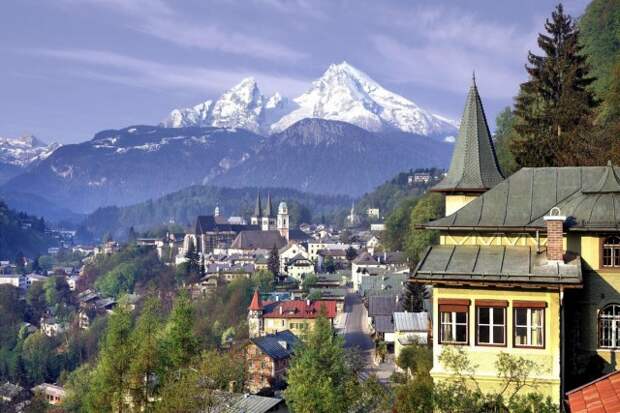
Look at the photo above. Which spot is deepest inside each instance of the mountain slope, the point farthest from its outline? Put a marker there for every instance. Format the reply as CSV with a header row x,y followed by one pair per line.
x,y
183,206
133,164
16,154
343,93
333,157
21,233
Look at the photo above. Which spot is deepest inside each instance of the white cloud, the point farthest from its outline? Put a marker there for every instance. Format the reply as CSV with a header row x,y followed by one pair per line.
x,y
158,19
210,37
131,71
440,47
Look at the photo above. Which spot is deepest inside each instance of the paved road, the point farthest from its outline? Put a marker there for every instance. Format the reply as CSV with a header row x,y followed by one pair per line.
x,y
356,334
356,331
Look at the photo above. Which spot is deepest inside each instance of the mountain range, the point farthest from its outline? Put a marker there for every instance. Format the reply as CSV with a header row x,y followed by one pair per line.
x,y
345,135
17,154
343,93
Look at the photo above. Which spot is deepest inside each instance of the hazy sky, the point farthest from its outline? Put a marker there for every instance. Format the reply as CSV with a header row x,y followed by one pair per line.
x,y
71,68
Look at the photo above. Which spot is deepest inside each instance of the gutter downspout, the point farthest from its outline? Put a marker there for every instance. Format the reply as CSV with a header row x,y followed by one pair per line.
x,y
562,347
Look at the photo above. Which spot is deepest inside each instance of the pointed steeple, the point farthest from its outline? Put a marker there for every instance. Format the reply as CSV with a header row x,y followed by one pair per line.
x,y
474,167
257,303
608,184
258,209
269,208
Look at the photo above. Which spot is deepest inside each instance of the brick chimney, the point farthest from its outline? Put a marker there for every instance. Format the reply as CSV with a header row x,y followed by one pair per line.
x,y
555,234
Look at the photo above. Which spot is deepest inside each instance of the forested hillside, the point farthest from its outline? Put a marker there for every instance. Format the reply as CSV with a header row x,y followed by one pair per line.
x,y
21,233
182,208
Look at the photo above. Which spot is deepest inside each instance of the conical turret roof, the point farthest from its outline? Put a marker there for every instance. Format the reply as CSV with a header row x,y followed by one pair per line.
x,y
258,209
269,208
257,303
474,166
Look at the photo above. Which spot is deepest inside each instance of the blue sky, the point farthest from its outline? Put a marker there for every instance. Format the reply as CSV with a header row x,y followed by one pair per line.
x,y
71,68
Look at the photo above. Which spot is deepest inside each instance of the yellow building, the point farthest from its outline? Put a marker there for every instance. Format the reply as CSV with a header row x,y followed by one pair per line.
x,y
297,316
528,265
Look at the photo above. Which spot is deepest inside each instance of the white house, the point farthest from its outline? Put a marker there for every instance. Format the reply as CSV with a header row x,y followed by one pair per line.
x,y
16,280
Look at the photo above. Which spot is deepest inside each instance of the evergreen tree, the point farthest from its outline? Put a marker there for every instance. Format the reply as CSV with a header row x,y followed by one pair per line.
x,y
180,341
131,235
193,270
110,381
273,263
351,253
504,136
147,364
319,379
329,265
554,107
20,263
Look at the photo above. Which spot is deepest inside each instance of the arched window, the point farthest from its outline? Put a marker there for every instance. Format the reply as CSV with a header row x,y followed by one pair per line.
x,y
609,326
611,252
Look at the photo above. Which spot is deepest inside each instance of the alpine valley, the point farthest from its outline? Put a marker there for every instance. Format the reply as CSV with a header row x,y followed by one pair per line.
x,y
345,135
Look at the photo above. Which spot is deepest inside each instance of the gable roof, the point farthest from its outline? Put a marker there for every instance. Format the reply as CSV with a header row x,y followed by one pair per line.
x,y
389,283
210,223
404,321
383,305
251,240
585,195
474,166
271,344
383,324
599,396
299,309
510,264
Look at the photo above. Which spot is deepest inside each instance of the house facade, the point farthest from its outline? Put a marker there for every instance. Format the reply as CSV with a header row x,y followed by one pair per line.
x,y
525,265
298,316
267,359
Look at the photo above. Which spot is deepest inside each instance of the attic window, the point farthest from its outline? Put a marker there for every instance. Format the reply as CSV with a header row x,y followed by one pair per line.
x,y
611,252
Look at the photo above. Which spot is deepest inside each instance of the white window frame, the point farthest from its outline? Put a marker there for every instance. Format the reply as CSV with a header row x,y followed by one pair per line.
x,y
491,325
614,320
453,324
529,326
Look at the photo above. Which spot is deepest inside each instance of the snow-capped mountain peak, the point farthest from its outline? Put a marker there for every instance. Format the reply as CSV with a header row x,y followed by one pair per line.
x,y
24,150
342,93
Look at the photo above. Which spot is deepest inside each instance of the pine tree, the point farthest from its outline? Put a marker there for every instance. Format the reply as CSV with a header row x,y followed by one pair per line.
x,y
319,379
131,235
111,376
180,341
147,364
273,263
193,269
554,107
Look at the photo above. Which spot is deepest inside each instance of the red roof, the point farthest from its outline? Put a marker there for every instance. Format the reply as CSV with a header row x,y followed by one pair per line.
x,y
300,309
600,396
256,304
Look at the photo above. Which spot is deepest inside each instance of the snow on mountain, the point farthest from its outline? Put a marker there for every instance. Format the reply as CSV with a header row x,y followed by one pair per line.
x,y
343,93
24,150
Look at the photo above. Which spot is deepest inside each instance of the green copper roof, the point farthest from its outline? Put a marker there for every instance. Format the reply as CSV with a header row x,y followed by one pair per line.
x,y
474,165
258,209
589,196
609,183
269,207
500,264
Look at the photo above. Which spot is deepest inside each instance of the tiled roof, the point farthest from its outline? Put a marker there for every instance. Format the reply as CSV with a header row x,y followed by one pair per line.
x,y
599,396
474,166
410,321
272,344
256,304
585,195
495,263
210,223
365,259
299,309
266,240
